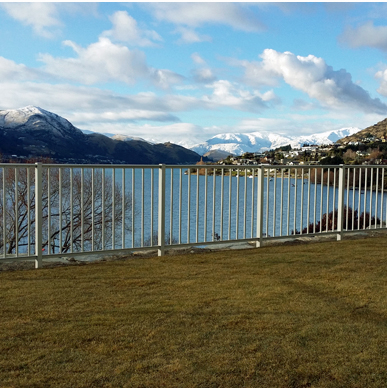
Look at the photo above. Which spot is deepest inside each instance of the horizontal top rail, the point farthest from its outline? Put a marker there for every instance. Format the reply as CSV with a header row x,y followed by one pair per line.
x,y
175,166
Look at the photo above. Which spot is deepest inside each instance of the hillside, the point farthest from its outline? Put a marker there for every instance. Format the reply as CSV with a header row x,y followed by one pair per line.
x,y
34,132
377,130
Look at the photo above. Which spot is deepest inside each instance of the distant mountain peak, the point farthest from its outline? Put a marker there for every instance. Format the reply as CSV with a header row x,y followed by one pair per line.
x,y
32,118
239,143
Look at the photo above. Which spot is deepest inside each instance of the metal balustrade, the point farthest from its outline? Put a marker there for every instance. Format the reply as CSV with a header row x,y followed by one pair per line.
x,y
49,210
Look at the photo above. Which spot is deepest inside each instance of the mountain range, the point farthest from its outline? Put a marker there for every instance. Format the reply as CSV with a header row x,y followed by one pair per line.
x,y
33,132
239,143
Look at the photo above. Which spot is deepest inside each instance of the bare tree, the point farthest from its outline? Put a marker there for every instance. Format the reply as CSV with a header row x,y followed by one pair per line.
x,y
82,210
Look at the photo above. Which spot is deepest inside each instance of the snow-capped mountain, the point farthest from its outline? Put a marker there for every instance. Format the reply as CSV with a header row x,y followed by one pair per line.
x,y
32,132
32,118
239,143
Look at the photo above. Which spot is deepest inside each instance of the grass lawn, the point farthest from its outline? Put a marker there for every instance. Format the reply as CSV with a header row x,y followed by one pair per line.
x,y
310,315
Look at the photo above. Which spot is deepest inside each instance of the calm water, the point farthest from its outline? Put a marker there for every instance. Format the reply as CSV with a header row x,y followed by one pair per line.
x,y
227,218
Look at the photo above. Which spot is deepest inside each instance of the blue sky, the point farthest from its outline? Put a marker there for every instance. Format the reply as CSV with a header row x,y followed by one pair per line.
x,y
184,72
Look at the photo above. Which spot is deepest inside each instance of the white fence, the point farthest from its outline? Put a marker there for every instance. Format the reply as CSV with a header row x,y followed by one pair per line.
x,y
65,210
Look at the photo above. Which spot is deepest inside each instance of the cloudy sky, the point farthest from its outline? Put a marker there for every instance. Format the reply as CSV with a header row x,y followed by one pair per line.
x,y
184,72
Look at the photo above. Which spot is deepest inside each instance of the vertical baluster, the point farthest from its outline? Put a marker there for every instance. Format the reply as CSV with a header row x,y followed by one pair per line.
x,y
60,177
244,204
4,214
260,191
252,202
340,211
229,203
282,200
353,197
152,206
274,200
161,211
327,216
382,198
205,202
347,196
92,208
16,212
142,206
71,210
180,201
134,204
222,204
38,215
123,199
171,211
49,246
376,196
302,201
237,208
288,212
82,210
197,206
267,200
309,202
28,211
359,201
321,198
365,197
189,206
295,201
213,205
103,208
315,200
371,191
114,208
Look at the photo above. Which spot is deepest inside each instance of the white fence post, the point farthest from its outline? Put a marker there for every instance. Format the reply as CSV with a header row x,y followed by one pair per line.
x,y
38,215
161,215
340,210
261,173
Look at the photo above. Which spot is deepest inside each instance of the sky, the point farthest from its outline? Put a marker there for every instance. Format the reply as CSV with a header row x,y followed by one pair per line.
x,y
185,72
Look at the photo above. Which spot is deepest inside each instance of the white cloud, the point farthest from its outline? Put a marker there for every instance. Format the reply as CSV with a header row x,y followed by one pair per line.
x,y
198,59
11,71
105,61
189,35
197,14
188,16
255,74
122,115
382,75
165,78
203,75
125,29
366,35
42,17
226,94
334,89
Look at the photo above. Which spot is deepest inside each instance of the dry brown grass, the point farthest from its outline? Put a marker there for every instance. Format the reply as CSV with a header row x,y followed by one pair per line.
x,y
301,316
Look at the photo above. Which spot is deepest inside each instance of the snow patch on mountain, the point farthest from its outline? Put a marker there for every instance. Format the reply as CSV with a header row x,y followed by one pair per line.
x,y
35,118
129,138
239,143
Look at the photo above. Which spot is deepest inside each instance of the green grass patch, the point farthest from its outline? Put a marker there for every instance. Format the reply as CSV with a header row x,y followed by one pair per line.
x,y
310,315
